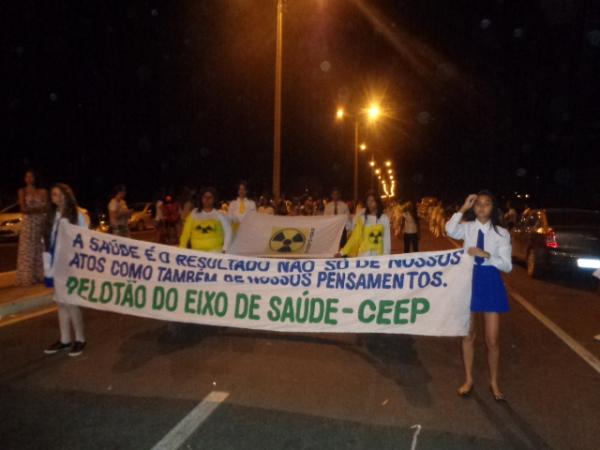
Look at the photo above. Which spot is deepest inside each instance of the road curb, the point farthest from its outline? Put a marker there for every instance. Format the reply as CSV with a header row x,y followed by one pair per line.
x,y
7,279
22,305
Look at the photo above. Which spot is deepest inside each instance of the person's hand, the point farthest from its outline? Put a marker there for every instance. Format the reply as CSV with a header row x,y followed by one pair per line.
x,y
476,251
338,255
469,202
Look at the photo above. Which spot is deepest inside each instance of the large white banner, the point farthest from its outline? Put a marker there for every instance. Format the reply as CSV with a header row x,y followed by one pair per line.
x,y
419,293
288,236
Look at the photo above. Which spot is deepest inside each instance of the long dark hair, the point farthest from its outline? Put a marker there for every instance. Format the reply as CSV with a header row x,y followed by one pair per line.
x,y
203,191
495,215
377,200
70,211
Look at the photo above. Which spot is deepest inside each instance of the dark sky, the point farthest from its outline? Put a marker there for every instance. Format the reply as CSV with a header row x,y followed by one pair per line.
x,y
480,94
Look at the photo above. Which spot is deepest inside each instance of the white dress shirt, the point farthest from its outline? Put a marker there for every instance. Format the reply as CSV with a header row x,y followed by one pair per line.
x,y
496,243
342,208
234,208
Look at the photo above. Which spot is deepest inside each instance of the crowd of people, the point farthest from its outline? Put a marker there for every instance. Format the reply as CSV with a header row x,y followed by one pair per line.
x,y
201,222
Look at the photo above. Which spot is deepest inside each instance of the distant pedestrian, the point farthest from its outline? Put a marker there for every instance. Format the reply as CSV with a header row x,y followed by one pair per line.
x,y
477,223
510,218
241,206
338,207
264,206
171,217
33,202
118,212
372,232
410,228
205,228
63,209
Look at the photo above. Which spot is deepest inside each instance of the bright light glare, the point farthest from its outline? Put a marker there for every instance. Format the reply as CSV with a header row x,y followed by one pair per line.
x,y
339,115
374,111
372,163
388,163
363,146
588,263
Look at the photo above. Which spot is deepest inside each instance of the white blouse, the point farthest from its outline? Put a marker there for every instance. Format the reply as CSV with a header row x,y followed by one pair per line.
x,y
496,243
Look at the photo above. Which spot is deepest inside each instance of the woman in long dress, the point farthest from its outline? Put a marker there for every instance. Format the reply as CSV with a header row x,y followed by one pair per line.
x,y
34,203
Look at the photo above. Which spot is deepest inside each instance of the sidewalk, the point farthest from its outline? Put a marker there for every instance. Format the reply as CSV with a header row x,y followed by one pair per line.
x,y
15,300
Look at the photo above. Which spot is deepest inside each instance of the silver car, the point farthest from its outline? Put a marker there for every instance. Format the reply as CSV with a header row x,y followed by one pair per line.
x,y
557,239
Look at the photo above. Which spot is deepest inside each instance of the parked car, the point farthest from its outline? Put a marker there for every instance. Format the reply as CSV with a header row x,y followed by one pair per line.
x,y
557,239
142,217
10,222
11,219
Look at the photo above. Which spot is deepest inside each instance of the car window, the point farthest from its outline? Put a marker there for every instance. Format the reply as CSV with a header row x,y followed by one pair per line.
x,y
574,218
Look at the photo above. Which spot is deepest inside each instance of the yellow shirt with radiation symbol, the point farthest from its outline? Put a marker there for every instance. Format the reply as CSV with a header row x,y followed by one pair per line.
x,y
206,231
370,237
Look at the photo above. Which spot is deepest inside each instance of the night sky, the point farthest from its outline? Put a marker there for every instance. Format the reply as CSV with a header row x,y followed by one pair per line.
x,y
496,94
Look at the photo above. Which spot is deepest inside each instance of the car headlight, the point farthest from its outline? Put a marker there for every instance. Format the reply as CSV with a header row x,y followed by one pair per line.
x,y
588,263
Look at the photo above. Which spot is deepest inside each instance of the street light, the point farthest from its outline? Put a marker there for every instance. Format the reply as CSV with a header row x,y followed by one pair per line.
x,y
373,112
388,163
372,163
372,115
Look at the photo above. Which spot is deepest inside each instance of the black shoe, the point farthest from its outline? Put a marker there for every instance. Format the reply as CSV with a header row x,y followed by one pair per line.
x,y
57,347
77,348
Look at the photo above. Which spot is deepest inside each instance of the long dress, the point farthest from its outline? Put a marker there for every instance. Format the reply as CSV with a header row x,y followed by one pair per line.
x,y
30,268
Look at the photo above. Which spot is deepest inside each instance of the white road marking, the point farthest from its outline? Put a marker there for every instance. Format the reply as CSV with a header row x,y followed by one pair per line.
x,y
586,355
417,428
184,429
579,349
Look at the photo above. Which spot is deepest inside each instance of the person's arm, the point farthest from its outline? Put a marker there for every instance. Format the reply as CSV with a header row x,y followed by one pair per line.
x,y
113,209
387,235
454,228
22,206
227,234
186,234
501,258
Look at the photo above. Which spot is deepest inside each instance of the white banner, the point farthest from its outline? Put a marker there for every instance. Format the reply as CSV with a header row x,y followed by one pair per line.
x,y
288,236
420,293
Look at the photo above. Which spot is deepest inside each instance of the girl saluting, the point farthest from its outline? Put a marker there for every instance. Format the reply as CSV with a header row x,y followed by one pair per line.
x,y
490,246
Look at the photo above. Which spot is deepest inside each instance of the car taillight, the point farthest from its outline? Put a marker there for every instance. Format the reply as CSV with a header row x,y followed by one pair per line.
x,y
551,241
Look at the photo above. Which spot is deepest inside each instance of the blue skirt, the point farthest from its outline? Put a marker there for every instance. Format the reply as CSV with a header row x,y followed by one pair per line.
x,y
488,293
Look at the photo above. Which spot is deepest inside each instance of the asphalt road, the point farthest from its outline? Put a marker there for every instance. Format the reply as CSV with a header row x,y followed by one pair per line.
x,y
139,378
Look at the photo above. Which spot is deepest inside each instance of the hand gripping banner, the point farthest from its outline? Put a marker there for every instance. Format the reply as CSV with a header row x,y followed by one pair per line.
x,y
419,293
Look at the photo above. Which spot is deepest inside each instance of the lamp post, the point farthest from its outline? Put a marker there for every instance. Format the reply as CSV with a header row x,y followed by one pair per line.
x,y
277,118
372,112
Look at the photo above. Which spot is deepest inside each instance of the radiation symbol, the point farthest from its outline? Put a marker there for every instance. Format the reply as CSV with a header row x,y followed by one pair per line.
x,y
287,240
374,237
205,229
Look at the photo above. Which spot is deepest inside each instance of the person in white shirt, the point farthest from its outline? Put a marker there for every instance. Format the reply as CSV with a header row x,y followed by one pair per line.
x,y
477,223
241,206
337,207
119,213
410,228
63,208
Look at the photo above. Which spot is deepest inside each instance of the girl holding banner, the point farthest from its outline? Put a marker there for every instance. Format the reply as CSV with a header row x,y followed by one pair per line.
x,y
63,207
477,223
205,228
372,234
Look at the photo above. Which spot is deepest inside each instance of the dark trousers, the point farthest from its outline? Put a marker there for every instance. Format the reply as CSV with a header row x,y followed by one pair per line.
x,y
411,242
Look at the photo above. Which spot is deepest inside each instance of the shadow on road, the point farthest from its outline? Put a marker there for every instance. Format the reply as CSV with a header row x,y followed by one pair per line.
x,y
505,418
